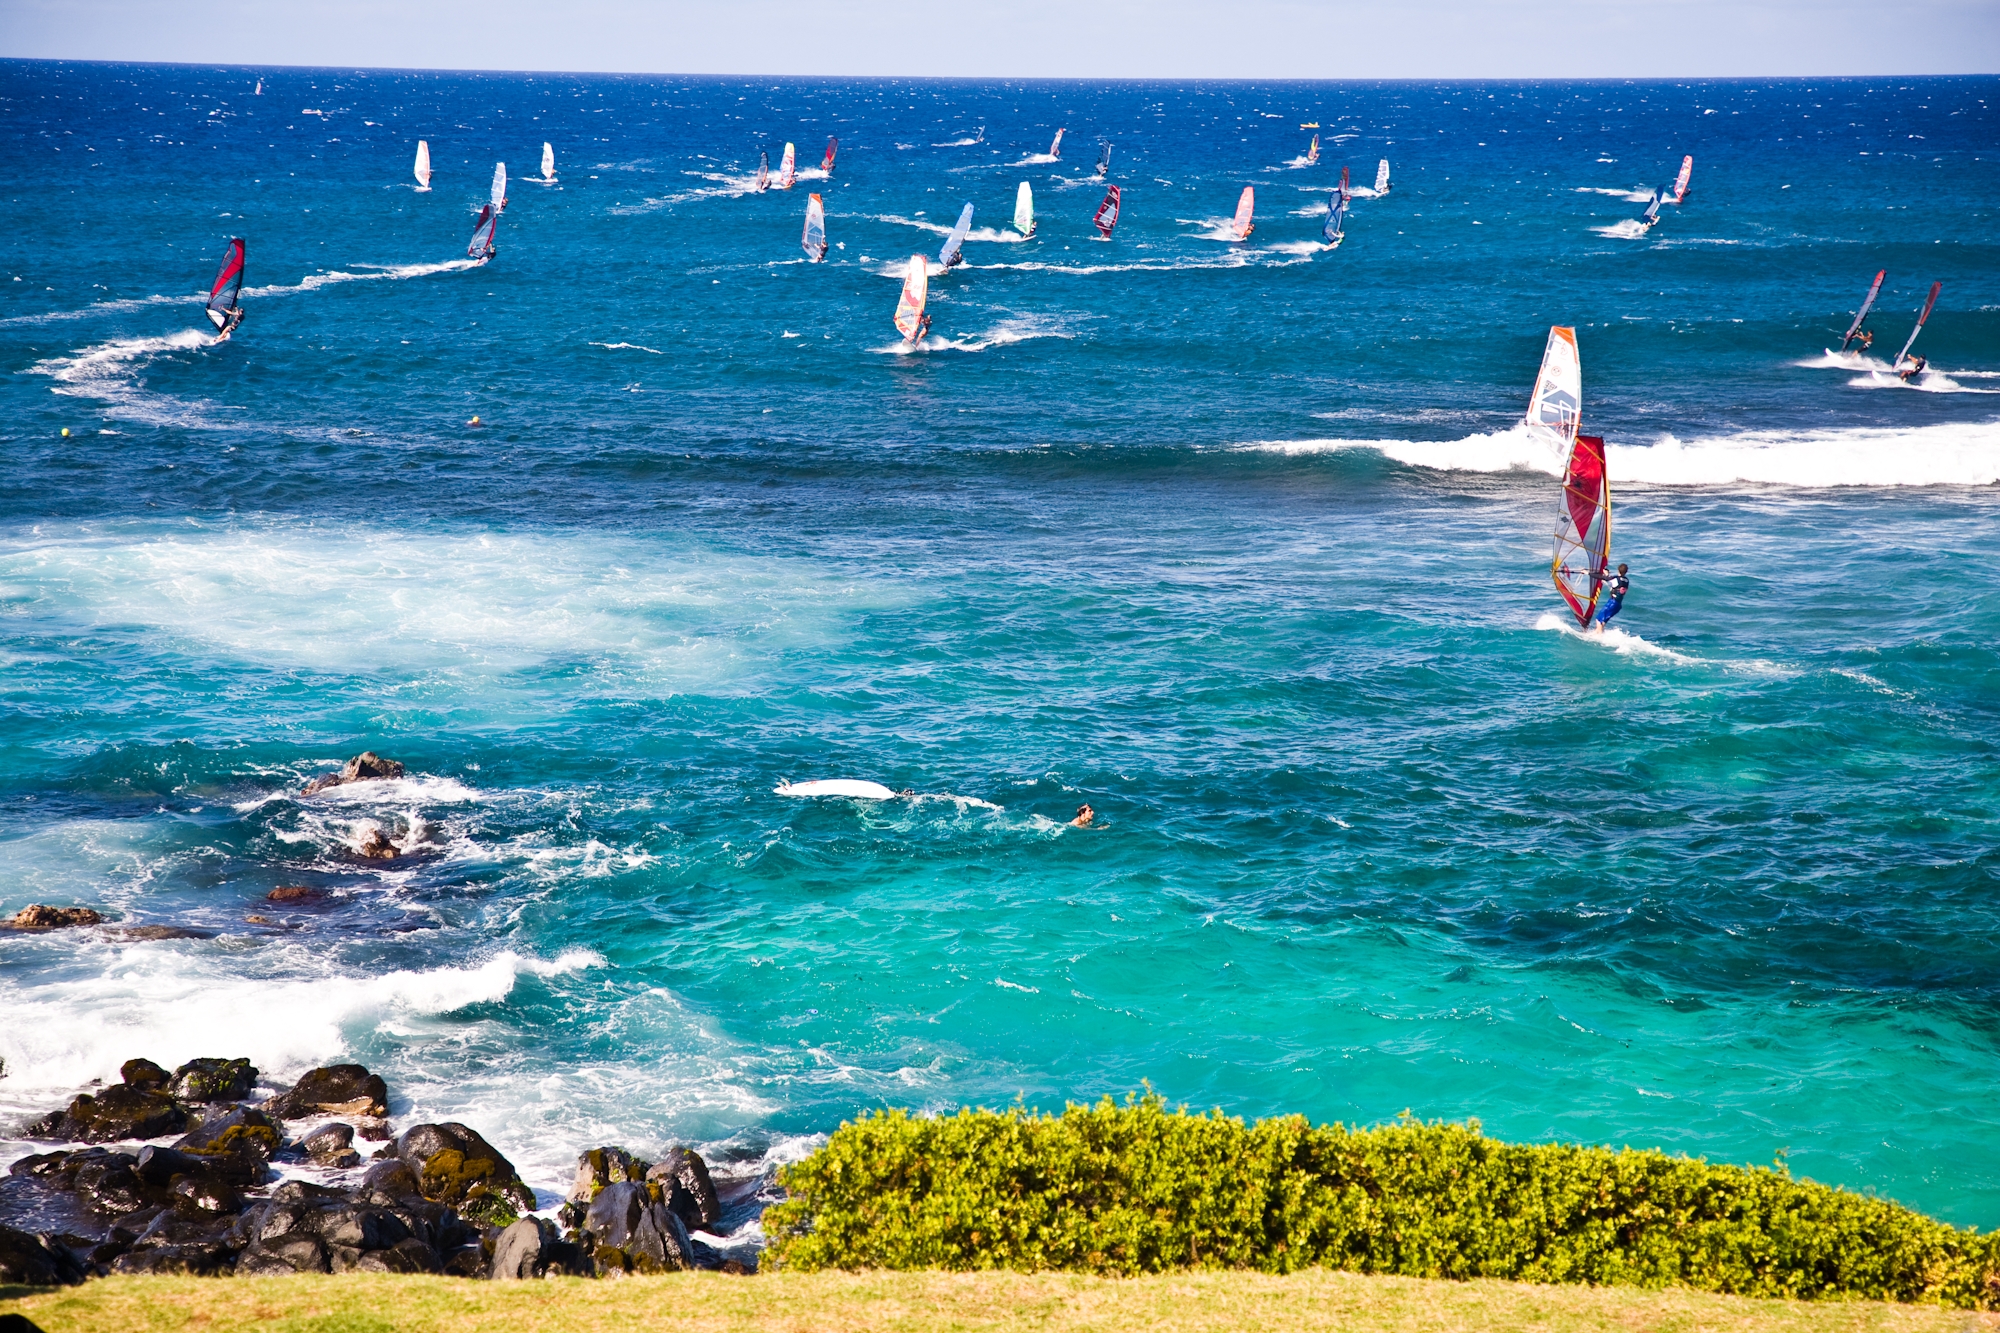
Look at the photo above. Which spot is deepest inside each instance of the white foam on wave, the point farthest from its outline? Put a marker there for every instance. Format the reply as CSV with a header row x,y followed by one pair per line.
x,y
1850,360
1004,334
312,282
1631,229
632,347
108,372
1629,196
1617,640
1213,229
1952,454
104,308
1007,236
1232,259
1930,381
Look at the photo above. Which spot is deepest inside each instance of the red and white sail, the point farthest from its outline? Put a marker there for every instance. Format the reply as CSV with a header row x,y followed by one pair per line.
x,y
1681,181
1055,147
1107,213
1246,209
911,321
481,246
1556,406
826,163
788,168
1582,556
222,310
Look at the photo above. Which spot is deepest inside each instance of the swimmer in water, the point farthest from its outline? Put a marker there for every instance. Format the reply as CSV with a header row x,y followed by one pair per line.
x,y
1085,817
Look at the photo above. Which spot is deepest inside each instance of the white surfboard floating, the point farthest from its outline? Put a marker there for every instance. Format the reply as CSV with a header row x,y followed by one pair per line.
x,y
867,791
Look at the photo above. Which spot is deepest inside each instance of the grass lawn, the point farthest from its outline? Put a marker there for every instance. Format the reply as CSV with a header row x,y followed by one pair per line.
x,y
696,1302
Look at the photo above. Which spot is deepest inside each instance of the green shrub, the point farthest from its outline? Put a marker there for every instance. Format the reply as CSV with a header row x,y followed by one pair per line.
x,y
1139,1189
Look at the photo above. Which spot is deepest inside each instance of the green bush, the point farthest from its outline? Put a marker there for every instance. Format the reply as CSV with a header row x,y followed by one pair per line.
x,y
1139,1189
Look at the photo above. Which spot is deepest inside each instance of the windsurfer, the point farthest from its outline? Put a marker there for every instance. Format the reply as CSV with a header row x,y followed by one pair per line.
x,y
1866,338
1613,596
1913,368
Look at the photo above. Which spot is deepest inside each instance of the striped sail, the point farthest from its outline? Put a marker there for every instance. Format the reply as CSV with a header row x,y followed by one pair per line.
x,y
1582,555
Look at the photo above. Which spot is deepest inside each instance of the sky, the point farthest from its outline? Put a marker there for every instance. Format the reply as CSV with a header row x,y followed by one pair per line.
x,y
1175,39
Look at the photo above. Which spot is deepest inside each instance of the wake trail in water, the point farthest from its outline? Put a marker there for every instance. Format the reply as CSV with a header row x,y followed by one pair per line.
x,y
1003,334
1629,196
103,308
312,282
1631,229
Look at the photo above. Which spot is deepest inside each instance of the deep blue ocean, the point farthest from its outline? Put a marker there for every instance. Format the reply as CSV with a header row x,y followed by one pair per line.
x,y
1242,544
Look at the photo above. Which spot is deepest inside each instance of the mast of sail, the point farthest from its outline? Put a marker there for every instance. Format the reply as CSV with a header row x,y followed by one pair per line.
x,y
1936,287
1107,213
222,310
1382,177
1681,181
482,247
1555,407
763,172
548,164
788,168
826,163
1055,148
1024,210
499,187
1312,151
1246,209
1582,554
953,253
1866,305
1104,159
1336,219
814,240
911,321
423,167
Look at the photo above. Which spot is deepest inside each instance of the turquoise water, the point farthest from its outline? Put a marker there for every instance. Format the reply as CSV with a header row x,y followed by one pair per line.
x,y
1238,544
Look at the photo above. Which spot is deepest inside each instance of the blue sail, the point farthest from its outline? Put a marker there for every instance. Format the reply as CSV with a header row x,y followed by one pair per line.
x,y
1336,219
953,252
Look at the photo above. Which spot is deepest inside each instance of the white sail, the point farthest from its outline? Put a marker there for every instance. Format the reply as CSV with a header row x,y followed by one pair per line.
x,y
1024,210
1382,177
788,168
548,162
1556,406
911,321
499,187
1055,147
423,168
814,237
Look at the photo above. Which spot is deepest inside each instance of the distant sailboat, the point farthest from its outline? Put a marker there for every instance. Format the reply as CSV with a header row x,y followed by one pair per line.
x,y
1055,148
499,199
222,310
1107,213
423,167
788,168
1312,152
548,164
814,240
826,163
482,247
1382,178
1903,356
953,253
763,172
1867,304
1024,211
1104,160
911,321
1681,181
260,89
1652,213
1334,232
1246,209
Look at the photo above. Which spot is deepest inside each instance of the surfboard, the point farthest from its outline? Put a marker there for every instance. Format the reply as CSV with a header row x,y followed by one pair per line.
x,y
867,791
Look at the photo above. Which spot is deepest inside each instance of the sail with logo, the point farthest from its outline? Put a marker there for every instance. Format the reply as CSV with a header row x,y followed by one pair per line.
x,y
1107,214
222,309
814,240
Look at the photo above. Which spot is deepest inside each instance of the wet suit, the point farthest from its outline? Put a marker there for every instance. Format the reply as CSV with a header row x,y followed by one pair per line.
x,y
1615,588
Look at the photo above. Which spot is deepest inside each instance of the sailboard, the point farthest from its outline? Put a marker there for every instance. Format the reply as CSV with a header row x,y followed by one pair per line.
x,y
1024,210
1055,148
1336,219
223,311
953,253
1104,159
423,166
1382,178
1681,181
1556,406
1582,555
788,168
1312,151
482,247
499,187
1652,213
1246,208
814,240
911,321
1901,356
548,164
763,172
826,163
1867,304
1107,213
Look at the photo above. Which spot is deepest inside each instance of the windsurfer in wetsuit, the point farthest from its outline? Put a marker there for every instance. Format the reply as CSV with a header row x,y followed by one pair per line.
x,y
1613,596
1913,368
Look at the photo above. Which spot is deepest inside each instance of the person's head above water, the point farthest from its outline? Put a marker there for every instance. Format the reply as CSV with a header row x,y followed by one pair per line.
x,y
1084,816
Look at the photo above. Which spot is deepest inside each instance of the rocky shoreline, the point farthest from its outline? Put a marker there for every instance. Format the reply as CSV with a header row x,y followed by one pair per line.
x,y
437,1198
